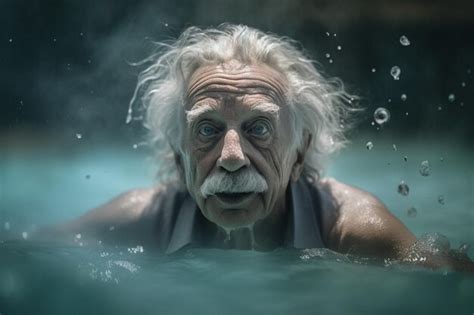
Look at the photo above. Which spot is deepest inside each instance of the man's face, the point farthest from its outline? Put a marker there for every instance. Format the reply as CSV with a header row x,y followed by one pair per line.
x,y
237,143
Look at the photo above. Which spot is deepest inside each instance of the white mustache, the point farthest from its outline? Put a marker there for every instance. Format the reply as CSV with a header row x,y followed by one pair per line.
x,y
239,182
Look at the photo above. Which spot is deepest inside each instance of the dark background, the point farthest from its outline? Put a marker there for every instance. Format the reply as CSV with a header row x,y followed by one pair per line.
x,y
65,64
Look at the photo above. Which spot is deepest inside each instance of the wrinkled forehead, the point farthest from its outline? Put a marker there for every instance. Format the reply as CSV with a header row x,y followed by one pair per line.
x,y
236,78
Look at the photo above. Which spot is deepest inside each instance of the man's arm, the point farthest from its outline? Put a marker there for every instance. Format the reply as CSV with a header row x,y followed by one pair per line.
x,y
363,226
118,219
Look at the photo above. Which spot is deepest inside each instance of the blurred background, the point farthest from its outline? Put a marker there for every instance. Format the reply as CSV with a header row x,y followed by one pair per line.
x,y
66,81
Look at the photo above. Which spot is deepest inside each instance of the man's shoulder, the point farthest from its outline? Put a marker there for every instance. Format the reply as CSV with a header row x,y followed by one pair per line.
x,y
361,223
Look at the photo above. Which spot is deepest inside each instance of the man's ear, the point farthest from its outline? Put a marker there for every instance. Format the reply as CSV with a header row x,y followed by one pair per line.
x,y
300,156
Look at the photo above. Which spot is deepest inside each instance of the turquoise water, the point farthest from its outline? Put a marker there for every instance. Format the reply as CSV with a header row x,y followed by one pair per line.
x,y
42,186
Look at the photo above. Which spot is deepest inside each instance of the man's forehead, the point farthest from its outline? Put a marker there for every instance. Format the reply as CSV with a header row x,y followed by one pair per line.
x,y
234,77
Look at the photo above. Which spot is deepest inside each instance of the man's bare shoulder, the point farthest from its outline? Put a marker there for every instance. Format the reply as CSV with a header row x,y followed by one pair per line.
x,y
362,223
121,213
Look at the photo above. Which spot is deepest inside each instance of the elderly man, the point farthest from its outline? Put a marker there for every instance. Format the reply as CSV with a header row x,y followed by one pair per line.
x,y
242,123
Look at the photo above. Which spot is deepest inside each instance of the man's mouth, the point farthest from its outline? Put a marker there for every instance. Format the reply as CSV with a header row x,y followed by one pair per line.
x,y
233,198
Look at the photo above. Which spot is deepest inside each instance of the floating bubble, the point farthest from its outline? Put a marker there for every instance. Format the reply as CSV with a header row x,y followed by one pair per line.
x,y
373,70
327,34
330,61
405,158
6,226
403,188
88,176
451,98
440,108
403,97
24,235
406,114
111,228
328,55
425,169
78,136
11,40
395,72
78,236
369,145
404,41
166,24
381,116
394,146
412,212
339,47
463,84
441,199
441,159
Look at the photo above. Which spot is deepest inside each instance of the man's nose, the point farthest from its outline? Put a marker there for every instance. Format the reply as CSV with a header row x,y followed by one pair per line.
x,y
232,156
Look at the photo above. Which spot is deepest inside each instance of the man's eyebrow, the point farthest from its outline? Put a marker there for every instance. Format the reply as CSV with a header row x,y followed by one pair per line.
x,y
195,112
267,108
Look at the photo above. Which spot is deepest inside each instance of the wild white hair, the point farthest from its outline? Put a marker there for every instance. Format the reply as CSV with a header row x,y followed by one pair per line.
x,y
318,106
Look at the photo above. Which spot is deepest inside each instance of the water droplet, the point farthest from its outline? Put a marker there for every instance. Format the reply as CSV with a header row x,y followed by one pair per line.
x,y
327,34
381,116
81,33
330,61
441,159
166,24
111,228
78,136
373,70
6,226
463,84
89,61
334,34
404,41
464,248
441,199
394,146
369,145
412,212
440,108
406,114
88,176
403,188
135,146
328,55
395,72
425,169
373,123
403,97
78,236
24,235
339,47
54,39
468,71
405,158
11,40
451,98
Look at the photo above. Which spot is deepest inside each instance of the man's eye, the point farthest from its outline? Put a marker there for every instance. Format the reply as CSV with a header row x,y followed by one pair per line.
x,y
207,130
259,129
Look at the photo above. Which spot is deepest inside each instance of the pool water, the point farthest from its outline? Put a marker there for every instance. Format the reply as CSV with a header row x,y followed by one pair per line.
x,y
46,278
